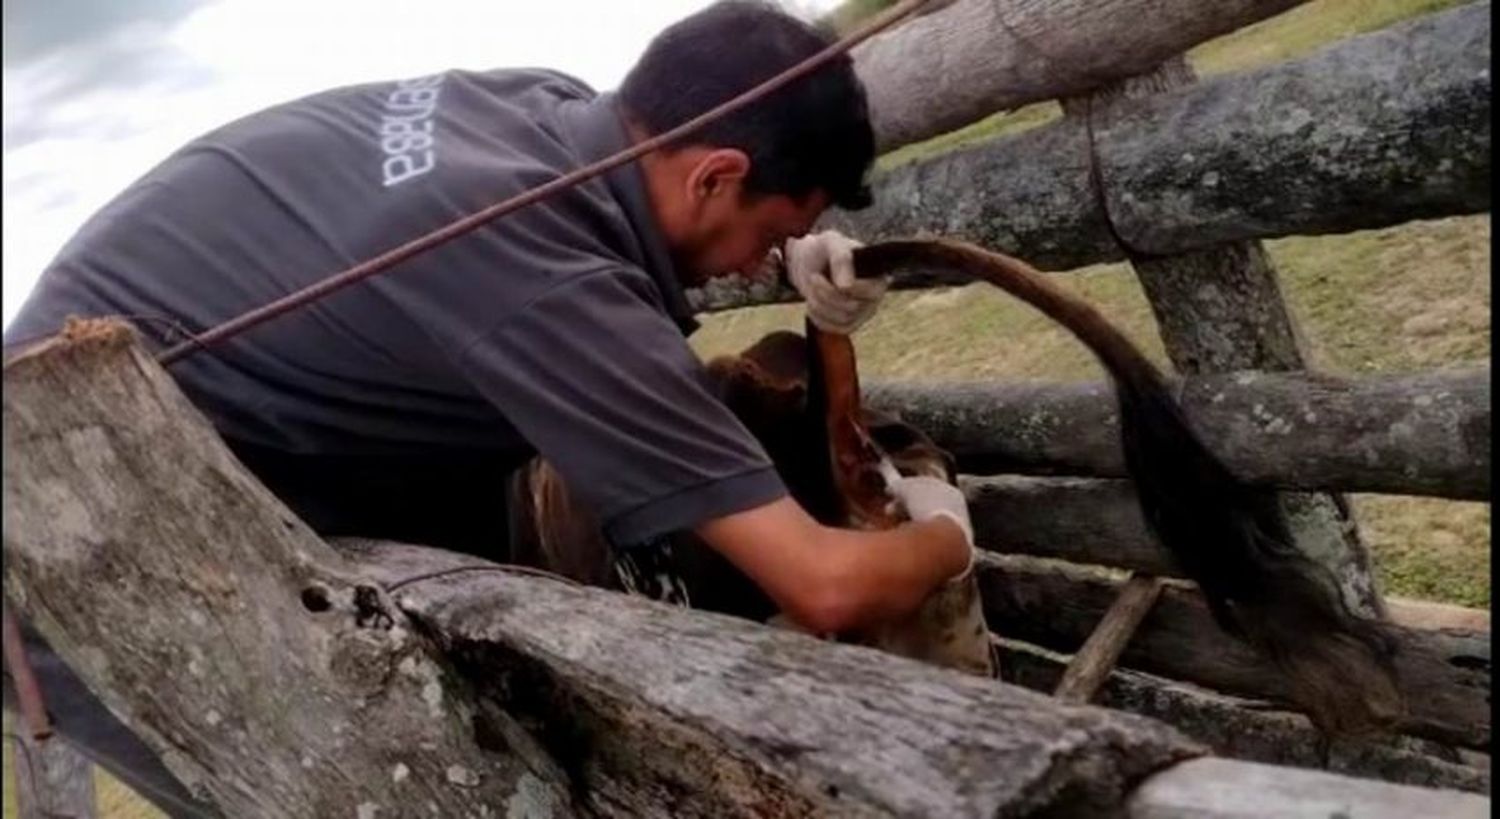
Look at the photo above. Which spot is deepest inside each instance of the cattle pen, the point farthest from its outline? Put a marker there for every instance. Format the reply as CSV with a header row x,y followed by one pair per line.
x,y
488,692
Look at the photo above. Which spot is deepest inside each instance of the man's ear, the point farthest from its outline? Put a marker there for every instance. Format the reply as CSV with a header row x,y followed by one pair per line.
x,y
717,172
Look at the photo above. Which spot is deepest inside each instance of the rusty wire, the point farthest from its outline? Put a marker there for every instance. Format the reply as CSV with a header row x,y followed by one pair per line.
x,y
459,227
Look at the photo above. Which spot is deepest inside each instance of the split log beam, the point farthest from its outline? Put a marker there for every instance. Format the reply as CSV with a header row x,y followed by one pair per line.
x,y
1423,434
1444,674
656,710
1093,663
1252,730
961,64
52,779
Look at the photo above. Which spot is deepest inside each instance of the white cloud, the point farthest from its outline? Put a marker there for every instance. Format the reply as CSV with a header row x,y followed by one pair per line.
x,y
84,121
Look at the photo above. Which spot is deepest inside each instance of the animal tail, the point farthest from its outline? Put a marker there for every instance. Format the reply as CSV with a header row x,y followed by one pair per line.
x,y
1228,536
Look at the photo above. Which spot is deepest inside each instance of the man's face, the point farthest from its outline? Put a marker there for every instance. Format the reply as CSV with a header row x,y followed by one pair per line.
x,y
713,225
735,232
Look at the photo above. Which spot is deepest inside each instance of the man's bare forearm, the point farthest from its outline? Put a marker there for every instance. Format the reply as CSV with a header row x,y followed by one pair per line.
x,y
829,579
887,574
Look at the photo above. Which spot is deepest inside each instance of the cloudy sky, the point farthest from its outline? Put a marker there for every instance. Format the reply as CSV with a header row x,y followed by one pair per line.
x,y
97,91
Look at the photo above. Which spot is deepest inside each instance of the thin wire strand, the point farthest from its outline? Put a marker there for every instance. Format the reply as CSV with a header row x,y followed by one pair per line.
x,y
457,228
504,568
25,750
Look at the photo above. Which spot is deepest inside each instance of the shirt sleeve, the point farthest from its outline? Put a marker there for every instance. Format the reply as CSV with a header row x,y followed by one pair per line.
x,y
597,377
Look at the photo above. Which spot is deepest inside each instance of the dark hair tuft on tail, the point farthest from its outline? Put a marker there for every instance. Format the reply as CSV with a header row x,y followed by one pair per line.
x,y
1228,536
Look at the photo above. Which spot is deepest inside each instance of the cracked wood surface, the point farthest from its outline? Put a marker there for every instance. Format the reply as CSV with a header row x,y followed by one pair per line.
x,y
663,711
1372,131
273,679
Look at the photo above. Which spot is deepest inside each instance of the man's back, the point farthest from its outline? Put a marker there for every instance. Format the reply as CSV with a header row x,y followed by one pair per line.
x,y
293,194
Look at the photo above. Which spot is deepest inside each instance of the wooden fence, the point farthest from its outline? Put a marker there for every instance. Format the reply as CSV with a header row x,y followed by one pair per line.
x,y
1182,179
283,676
482,690
1424,434
1370,132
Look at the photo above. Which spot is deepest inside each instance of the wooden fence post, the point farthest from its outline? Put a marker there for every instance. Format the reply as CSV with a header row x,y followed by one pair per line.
x,y
1221,309
53,780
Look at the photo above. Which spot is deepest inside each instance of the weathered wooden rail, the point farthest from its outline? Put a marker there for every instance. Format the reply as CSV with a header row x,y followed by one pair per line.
x,y
1421,434
280,676
1082,520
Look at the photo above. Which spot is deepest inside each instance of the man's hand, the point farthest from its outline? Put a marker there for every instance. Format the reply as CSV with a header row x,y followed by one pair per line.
x,y
925,498
821,267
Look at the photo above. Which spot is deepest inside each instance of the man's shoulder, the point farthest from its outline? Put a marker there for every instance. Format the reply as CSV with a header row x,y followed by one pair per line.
x,y
439,144
536,86
509,99
506,115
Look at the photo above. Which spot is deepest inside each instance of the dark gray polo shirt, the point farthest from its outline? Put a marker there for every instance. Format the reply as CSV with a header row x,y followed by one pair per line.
x,y
559,328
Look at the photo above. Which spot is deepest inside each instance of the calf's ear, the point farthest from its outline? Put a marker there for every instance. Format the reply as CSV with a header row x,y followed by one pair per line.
x,y
765,384
781,358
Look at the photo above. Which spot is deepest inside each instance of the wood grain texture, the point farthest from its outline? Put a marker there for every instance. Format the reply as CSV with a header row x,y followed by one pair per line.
x,y
1094,521
53,780
661,711
273,678
1099,521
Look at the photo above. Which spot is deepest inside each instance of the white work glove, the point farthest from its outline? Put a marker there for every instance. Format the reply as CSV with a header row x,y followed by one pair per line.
x,y
925,497
821,267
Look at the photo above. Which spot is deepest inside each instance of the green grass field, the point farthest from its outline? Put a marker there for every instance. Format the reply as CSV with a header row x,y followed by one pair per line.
x,y
1406,298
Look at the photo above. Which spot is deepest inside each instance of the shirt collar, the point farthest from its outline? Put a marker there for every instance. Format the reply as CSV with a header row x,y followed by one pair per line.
x,y
599,131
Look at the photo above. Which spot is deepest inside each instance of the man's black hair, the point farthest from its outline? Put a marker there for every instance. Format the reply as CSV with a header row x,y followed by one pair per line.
x,y
813,134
